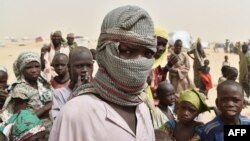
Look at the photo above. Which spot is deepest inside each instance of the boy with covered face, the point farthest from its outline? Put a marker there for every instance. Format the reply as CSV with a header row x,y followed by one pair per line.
x,y
114,100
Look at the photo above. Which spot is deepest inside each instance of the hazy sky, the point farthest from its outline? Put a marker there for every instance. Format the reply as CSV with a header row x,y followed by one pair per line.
x,y
212,20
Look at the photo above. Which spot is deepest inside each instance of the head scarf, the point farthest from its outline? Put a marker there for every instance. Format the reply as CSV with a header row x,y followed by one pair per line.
x,y
26,124
57,33
128,24
161,32
22,60
121,81
195,98
2,68
71,35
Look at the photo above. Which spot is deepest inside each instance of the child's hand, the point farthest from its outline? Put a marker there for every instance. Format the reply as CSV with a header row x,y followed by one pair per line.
x,y
86,78
172,60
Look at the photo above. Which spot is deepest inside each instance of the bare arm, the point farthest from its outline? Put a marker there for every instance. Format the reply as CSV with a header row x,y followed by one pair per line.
x,y
189,53
44,109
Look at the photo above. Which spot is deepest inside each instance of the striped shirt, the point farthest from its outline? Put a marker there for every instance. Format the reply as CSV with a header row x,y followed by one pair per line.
x,y
214,130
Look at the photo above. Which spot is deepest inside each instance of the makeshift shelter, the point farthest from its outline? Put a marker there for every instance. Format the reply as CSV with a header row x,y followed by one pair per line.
x,y
184,36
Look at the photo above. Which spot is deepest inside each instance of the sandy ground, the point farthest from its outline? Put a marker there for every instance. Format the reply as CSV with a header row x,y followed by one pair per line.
x,y
11,50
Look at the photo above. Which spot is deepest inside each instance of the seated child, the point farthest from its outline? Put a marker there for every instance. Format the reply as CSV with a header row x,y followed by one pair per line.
x,y
189,105
23,126
230,103
60,64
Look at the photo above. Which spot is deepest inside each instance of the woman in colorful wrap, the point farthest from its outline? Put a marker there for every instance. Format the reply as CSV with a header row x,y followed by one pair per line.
x,y
31,90
198,57
160,65
23,126
189,105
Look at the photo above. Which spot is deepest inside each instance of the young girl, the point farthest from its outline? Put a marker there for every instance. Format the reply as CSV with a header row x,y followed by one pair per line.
x,y
189,105
206,81
31,90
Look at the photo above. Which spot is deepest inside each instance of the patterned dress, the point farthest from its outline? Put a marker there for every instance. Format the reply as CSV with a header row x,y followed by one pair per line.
x,y
36,98
198,62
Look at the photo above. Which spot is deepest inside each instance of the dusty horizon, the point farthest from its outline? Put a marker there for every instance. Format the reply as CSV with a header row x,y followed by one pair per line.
x,y
211,20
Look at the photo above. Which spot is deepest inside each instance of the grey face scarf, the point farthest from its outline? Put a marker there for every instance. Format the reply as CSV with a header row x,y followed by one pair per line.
x,y
122,81
118,80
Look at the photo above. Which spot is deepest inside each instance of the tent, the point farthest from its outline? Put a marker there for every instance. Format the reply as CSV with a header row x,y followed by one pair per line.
x,y
204,44
184,36
82,41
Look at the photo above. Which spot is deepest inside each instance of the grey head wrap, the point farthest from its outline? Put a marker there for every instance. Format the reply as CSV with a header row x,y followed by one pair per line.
x,y
122,81
22,60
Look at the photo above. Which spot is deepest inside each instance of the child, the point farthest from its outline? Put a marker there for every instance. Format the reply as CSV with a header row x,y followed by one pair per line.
x,y
232,73
3,78
226,63
166,94
224,74
60,64
3,85
80,68
31,90
230,103
206,81
189,105
25,126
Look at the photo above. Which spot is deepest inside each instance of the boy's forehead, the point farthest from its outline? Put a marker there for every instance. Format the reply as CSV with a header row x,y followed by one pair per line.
x,y
86,55
224,91
61,58
83,54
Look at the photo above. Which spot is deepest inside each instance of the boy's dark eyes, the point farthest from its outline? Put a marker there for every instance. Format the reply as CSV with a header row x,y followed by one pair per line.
x,y
126,50
82,65
57,65
235,100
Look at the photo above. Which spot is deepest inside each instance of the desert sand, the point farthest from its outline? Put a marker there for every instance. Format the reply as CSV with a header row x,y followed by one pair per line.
x,y
11,50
